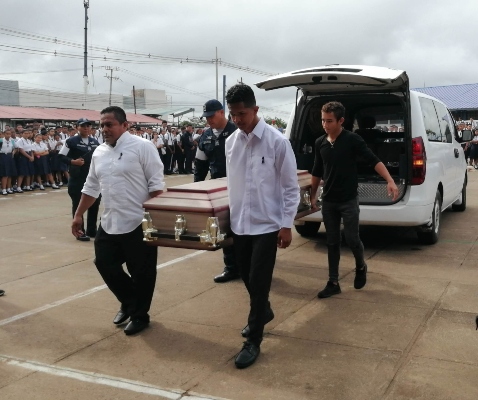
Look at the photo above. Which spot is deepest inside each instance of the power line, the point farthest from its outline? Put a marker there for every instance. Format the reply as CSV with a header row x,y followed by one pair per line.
x,y
40,72
149,58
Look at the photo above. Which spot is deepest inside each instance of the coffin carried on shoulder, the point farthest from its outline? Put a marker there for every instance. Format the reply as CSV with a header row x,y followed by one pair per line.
x,y
196,215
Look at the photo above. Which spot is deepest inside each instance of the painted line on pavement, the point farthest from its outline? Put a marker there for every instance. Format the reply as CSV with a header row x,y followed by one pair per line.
x,y
87,292
100,379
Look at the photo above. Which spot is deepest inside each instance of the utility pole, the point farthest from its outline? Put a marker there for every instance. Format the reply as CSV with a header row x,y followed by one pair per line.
x,y
224,91
86,4
134,99
111,69
217,76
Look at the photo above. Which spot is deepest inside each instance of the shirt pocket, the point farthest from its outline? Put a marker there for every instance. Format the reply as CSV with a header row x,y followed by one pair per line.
x,y
263,169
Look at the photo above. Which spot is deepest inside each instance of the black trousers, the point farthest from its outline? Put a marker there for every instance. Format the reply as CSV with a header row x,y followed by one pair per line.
x,y
167,161
133,291
74,190
188,160
201,169
348,212
256,257
179,158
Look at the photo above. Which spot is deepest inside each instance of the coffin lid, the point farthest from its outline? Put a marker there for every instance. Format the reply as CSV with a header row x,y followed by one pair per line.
x,y
198,197
201,197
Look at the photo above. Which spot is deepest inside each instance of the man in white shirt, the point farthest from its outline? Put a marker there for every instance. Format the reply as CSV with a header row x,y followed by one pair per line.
x,y
126,170
263,199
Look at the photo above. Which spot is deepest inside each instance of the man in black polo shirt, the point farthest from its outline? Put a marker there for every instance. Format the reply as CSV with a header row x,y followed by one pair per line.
x,y
336,155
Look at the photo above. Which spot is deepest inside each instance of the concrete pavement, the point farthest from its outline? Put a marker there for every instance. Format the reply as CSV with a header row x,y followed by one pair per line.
x,y
409,334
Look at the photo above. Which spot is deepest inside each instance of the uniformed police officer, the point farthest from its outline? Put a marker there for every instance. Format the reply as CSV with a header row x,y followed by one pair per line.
x,y
77,152
212,143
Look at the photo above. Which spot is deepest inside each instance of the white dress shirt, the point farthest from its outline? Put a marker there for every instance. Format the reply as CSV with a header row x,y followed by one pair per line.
x,y
124,175
261,180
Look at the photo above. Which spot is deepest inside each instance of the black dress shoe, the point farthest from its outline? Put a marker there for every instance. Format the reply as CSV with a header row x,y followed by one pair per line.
x,y
226,277
83,238
2,292
120,317
247,331
247,356
135,326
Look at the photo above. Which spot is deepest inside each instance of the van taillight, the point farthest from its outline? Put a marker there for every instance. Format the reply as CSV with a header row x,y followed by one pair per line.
x,y
419,160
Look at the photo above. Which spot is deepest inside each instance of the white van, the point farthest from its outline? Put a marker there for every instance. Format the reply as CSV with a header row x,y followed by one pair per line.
x,y
413,134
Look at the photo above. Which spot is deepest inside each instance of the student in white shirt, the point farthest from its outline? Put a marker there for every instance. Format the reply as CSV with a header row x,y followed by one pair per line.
x,y
126,170
159,143
58,168
42,167
263,199
7,163
168,140
25,168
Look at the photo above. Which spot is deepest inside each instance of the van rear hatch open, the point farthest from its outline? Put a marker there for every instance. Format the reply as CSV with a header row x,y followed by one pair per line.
x,y
377,106
340,79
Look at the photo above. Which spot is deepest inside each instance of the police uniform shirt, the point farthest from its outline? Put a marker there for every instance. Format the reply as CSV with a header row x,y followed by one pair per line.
x,y
77,147
212,143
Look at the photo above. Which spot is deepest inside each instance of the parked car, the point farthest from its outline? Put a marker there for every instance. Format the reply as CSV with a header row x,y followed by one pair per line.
x,y
413,134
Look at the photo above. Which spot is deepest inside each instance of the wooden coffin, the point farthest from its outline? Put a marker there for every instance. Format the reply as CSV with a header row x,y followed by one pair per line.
x,y
181,216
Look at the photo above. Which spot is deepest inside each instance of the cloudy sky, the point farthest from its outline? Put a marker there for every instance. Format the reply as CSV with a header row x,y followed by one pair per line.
x,y
434,41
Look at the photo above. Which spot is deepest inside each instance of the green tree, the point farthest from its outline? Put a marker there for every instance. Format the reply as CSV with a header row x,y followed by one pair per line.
x,y
277,121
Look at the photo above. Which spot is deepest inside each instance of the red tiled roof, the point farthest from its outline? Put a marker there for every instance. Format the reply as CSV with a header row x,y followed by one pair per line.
x,y
63,114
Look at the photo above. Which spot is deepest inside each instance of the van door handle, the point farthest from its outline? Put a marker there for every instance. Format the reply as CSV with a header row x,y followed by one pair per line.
x,y
457,153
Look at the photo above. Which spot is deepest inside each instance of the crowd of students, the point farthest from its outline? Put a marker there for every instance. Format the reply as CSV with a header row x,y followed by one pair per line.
x,y
177,147
29,157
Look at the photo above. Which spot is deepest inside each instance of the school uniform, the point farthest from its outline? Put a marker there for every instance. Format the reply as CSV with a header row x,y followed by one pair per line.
x,y
179,157
99,137
7,163
55,162
40,163
168,140
24,165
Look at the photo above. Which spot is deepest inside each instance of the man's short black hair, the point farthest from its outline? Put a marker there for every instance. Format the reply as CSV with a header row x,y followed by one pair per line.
x,y
189,125
241,93
118,112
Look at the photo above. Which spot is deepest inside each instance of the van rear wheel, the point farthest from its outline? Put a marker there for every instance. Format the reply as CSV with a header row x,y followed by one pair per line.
x,y
308,229
428,234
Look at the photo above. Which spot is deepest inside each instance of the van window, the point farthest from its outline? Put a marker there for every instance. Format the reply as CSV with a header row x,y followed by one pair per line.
x,y
387,118
446,127
432,127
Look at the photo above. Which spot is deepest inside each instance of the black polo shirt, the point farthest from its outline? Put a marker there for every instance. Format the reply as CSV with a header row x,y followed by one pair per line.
x,y
336,164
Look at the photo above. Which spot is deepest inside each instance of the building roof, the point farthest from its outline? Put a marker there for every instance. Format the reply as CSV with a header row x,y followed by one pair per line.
x,y
456,97
63,114
175,112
